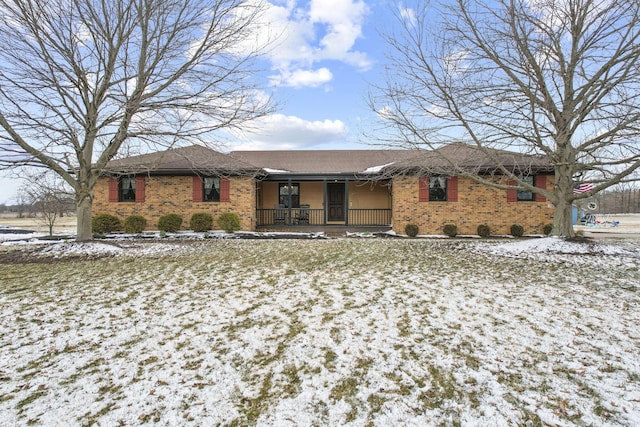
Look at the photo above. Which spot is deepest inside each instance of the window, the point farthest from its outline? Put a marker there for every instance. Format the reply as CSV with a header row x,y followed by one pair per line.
x,y
211,189
438,189
526,196
515,195
127,189
285,190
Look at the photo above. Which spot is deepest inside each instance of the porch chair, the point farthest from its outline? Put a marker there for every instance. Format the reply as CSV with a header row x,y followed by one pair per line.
x,y
303,215
279,214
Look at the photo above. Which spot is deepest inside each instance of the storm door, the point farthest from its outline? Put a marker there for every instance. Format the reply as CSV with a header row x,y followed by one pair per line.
x,y
335,201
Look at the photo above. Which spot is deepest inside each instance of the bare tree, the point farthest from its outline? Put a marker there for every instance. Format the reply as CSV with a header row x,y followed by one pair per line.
x,y
555,78
84,80
48,196
621,198
22,204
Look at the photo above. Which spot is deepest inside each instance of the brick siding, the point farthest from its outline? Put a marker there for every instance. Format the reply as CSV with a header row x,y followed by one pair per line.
x,y
174,195
477,204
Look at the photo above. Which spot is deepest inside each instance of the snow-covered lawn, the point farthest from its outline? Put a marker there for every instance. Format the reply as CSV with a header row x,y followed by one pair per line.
x,y
359,332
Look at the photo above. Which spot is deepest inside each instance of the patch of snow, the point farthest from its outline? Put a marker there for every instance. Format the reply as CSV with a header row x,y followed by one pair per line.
x,y
60,250
369,234
376,169
324,332
554,245
269,170
8,238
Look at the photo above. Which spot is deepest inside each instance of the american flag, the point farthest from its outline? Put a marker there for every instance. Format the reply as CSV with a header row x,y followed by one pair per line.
x,y
582,188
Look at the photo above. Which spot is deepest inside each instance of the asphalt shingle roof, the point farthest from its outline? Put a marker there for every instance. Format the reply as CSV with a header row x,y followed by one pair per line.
x,y
458,156
180,160
321,161
205,160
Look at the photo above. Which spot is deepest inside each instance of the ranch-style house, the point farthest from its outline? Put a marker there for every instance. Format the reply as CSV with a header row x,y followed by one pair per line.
x,y
327,190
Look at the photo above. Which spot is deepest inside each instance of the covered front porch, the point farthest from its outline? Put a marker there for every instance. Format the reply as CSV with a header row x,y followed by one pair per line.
x,y
323,203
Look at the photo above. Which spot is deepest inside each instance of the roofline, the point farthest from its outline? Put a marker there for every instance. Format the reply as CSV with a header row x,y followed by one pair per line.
x,y
311,176
453,171
182,172
363,150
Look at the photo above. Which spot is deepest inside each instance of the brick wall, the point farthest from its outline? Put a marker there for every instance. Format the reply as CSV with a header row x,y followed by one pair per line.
x,y
174,195
477,204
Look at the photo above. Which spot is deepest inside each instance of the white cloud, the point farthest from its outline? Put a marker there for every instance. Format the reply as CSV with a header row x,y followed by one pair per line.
x,y
557,14
408,15
456,62
386,113
343,20
306,33
282,132
302,78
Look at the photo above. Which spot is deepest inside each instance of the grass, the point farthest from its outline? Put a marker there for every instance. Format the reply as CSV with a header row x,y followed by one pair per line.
x,y
367,332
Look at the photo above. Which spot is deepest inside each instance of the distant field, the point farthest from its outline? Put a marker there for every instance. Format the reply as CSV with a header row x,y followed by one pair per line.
x,y
66,224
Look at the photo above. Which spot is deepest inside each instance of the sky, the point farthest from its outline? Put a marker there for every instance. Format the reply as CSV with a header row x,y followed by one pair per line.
x,y
319,73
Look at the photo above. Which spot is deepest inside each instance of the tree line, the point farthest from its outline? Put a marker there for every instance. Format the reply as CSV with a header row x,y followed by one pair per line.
x,y
624,198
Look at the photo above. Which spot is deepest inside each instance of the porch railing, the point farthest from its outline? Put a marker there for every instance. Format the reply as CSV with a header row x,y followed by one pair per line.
x,y
369,216
297,216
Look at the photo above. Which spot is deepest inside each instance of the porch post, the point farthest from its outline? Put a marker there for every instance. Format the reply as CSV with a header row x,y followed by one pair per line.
x,y
324,201
346,202
289,201
257,204
391,201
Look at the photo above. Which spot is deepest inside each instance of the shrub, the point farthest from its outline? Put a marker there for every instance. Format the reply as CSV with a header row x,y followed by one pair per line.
x,y
229,222
450,230
484,230
105,223
201,221
411,230
547,229
517,230
170,223
134,224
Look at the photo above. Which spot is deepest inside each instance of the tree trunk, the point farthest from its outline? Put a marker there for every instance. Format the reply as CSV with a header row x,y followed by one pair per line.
x,y
563,219
84,230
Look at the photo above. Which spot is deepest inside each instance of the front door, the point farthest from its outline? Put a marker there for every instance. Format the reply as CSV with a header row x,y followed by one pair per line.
x,y
335,200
